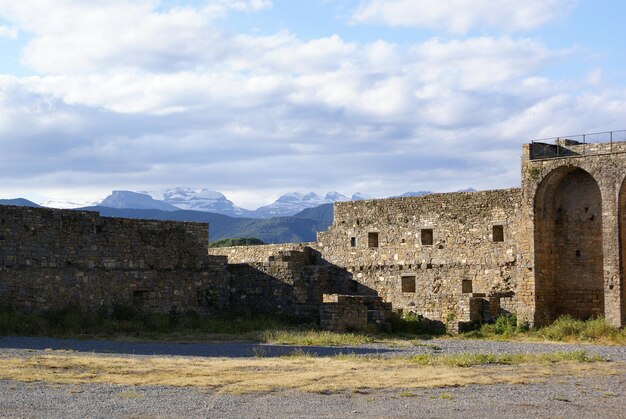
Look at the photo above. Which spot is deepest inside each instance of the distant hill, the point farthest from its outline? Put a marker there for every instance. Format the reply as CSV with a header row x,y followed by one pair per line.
x,y
136,200
322,213
271,230
19,202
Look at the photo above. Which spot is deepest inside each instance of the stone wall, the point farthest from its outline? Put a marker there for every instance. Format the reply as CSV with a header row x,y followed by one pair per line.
x,y
272,279
573,210
260,253
430,254
50,259
553,247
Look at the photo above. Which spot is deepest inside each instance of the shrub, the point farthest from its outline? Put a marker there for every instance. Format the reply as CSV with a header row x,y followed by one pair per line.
x,y
416,324
568,328
243,241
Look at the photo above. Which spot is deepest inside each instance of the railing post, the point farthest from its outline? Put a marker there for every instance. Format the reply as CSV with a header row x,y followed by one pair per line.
x,y
611,136
584,144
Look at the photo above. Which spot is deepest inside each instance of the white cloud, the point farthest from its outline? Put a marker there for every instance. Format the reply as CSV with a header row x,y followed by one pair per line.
x,y
133,97
7,32
73,36
461,16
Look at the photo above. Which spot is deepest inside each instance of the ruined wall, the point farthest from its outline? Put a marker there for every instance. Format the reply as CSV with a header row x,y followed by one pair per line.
x,y
285,279
260,253
572,208
430,254
50,259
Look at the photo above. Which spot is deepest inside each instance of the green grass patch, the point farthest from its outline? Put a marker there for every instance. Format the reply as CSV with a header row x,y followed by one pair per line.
x,y
474,359
122,322
564,329
314,338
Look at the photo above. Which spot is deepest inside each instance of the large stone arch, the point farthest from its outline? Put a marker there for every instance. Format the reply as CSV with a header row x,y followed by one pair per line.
x,y
569,277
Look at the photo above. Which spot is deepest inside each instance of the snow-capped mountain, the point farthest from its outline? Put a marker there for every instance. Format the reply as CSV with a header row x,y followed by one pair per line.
x,y
136,200
333,196
360,197
203,200
294,202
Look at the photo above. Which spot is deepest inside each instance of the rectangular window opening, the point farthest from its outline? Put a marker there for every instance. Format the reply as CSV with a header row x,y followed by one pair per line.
x,y
372,239
408,284
466,286
140,297
427,237
498,233
352,241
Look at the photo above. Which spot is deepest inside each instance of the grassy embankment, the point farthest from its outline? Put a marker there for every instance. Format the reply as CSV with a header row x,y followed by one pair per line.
x,y
123,324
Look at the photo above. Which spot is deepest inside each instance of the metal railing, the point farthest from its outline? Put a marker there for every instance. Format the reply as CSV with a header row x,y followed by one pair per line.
x,y
575,145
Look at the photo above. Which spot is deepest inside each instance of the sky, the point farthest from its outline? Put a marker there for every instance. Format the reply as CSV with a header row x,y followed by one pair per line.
x,y
257,98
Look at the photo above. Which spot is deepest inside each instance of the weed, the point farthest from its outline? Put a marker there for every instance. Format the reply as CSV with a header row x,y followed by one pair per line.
x,y
446,396
416,324
129,395
565,328
314,337
474,359
74,322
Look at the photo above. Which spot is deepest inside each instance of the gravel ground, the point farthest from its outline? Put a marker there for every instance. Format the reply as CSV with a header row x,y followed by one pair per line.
x,y
10,346
557,397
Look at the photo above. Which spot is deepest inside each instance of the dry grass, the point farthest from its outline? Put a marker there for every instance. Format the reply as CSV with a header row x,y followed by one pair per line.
x,y
303,373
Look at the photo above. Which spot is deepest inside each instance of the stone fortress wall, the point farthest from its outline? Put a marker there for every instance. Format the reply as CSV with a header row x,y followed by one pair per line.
x,y
554,246
551,247
51,258
432,254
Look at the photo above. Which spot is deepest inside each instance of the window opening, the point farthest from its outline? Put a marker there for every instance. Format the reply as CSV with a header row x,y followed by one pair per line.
x,y
427,236
498,233
372,239
408,284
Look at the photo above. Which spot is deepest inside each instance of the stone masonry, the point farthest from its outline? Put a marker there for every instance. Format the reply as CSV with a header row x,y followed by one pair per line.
x,y
51,259
554,246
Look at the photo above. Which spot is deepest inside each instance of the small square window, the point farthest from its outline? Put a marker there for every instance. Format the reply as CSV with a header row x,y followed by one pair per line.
x,y
427,237
466,286
408,284
372,239
498,233
352,241
140,297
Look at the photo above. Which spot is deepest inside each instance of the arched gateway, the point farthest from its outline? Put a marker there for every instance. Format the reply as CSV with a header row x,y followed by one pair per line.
x,y
568,245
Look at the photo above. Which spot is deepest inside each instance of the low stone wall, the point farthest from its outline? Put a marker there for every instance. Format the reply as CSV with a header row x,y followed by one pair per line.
x,y
342,313
288,282
50,259
260,253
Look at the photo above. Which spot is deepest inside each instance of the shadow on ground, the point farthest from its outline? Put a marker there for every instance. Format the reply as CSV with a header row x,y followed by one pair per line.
x,y
226,349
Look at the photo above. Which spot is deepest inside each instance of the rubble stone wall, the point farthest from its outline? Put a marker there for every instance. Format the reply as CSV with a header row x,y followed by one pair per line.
x,y
428,254
51,258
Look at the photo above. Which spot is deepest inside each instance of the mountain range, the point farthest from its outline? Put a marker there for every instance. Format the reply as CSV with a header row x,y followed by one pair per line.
x,y
212,201
294,217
